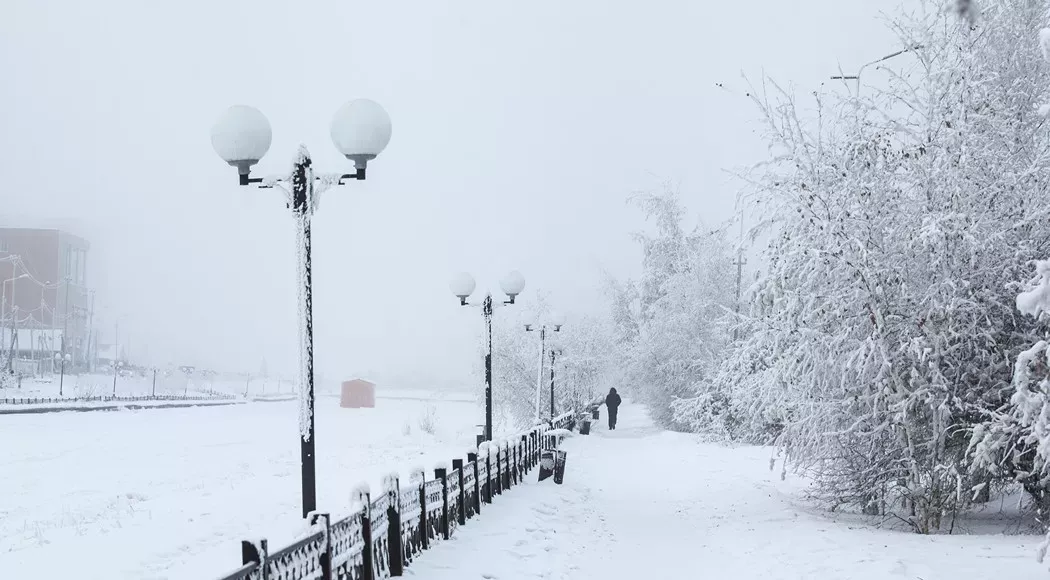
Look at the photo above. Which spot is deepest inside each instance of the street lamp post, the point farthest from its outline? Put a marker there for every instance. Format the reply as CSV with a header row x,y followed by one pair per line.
x,y
14,317
62,358
557,321
360,130
554,353
116,371
462,287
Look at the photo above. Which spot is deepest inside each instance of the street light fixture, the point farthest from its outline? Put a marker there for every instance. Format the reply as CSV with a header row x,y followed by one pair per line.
x,y
856,77
62,359
360,131
555,323
14,316
462,286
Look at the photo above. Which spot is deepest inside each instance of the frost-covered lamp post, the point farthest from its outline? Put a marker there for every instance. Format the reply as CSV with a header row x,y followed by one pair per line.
x,y
462,287
116,371
554,353
62,359
14,319
556,322
360,130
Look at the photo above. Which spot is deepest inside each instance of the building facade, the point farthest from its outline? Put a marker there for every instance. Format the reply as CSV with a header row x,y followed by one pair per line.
x,y
44,294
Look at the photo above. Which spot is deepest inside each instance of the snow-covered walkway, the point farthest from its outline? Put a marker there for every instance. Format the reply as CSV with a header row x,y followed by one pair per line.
x,y
643,503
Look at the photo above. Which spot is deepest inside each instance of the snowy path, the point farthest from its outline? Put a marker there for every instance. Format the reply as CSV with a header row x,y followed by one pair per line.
x,y
641,503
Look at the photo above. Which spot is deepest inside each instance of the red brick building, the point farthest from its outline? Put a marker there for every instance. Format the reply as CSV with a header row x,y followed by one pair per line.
x,y
39,269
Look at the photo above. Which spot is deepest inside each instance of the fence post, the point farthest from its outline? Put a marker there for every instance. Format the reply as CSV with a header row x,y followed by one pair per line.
x,y
499,470
473,458
441,474
394,536
366,536
523,445
510,468
326,556
461,511
488,475
513,464
258,554
423,523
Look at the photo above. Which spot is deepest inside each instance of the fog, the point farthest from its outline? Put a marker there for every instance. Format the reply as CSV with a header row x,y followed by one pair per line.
x,y
519,131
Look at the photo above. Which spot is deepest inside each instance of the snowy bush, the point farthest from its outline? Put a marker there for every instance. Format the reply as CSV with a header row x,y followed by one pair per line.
x,y
672,324
881,333
428,420
583,373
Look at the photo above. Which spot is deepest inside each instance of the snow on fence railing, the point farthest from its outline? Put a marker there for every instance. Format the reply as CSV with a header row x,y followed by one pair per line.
x,y
388,531
111,399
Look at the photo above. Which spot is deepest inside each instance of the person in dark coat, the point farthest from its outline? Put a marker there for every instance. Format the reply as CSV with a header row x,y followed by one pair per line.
x,y
612,402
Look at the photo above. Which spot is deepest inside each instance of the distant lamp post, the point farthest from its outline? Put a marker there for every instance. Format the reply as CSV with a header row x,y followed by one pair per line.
x,y
360,131
14,317
555,352
554,324
116,371
61,360
462,286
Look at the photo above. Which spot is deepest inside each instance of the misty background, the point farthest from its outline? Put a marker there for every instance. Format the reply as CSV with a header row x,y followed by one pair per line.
x,y
519,131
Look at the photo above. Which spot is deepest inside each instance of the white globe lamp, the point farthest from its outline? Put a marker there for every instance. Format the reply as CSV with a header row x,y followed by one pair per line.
x,y
512,284
241,137
361,130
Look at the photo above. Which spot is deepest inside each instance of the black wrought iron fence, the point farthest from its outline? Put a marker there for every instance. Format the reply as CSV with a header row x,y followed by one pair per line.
x,y
389,531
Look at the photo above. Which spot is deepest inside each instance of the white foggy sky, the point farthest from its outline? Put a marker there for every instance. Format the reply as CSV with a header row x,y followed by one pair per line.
x,y
519,129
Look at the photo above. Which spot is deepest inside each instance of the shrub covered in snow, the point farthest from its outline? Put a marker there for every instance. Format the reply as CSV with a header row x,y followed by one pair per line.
x,y
881,334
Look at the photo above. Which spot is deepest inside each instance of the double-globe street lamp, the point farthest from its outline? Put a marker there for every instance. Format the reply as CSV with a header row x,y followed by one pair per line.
x,y
462,285
62,359
360,131
14,317
554,324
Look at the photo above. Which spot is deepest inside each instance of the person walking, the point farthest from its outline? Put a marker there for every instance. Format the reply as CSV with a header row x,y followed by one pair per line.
x,y
612,402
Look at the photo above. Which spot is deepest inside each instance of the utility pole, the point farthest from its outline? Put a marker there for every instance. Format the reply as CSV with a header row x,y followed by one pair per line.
x,y
91,326
739,276
14,326
65,328
14,333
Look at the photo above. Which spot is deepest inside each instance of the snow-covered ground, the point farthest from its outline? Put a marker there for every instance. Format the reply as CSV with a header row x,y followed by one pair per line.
x,y
98,385
642,503
169,494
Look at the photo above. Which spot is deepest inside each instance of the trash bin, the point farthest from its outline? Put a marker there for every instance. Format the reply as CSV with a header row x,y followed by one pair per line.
x,y
552,462
546,464
594,413
585,426
559,466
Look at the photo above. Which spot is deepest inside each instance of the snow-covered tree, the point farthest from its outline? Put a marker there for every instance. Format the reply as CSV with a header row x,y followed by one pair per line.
x,y
881,334
673,322
583,370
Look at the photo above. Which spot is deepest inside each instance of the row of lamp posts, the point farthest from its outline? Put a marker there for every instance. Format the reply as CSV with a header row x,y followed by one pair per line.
x,y
360,130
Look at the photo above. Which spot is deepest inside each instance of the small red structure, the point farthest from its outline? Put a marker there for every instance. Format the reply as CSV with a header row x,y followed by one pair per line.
x,y
358,393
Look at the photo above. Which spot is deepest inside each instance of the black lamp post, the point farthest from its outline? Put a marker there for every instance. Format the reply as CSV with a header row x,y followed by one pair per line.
x,y
462,286
557,321
554,353
360,131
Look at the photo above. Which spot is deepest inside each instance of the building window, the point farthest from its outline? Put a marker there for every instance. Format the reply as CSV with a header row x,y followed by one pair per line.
x,y
3,246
